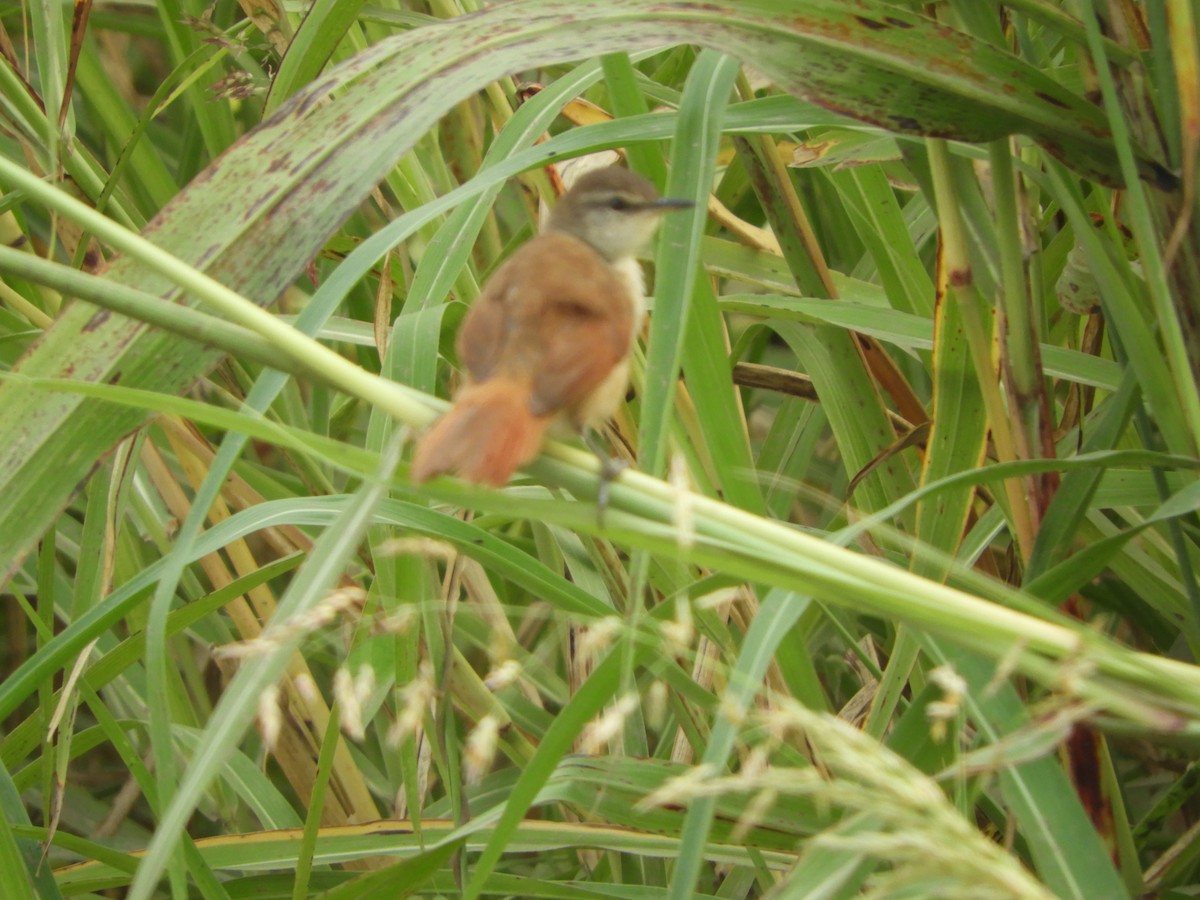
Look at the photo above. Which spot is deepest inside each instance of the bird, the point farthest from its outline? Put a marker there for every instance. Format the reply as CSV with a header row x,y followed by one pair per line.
x,y
547,343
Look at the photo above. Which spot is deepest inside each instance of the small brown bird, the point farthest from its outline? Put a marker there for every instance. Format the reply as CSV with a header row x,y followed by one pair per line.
x,y
548,341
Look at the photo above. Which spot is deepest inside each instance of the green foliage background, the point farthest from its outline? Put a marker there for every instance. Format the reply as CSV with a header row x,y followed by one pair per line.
x,y
900,598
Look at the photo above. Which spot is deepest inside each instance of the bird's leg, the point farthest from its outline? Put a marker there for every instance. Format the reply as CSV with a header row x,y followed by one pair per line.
x,y
610,468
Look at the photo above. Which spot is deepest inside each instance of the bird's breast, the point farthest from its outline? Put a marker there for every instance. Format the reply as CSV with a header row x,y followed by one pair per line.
x,y
631,275
599,406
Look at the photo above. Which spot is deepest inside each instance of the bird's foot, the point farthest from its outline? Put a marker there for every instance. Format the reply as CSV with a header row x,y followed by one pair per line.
x,y
610,468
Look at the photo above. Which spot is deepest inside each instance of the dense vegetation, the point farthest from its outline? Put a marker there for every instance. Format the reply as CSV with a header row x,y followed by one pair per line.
x,y
899,599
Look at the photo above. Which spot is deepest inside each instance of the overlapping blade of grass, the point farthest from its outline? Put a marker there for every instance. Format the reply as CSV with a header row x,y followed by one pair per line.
x,y
234,712
705,97
477,544
772,625
324,26
26,877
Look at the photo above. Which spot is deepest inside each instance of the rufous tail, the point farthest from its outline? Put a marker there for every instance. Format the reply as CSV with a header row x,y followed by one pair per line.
x,y
487,435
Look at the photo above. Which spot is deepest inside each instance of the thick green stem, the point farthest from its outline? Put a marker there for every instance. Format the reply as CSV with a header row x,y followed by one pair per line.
x,y
324,363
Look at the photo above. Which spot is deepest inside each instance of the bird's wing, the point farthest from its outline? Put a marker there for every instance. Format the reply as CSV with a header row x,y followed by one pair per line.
x,y
583,327
488,329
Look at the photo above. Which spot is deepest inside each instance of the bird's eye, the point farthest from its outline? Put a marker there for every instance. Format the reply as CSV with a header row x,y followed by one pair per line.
x,y
617,203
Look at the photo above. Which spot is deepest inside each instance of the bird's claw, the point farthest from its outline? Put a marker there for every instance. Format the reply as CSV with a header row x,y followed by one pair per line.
x,y
610,468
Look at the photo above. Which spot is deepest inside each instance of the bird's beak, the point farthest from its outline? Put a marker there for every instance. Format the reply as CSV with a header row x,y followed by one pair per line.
x,y
668,203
